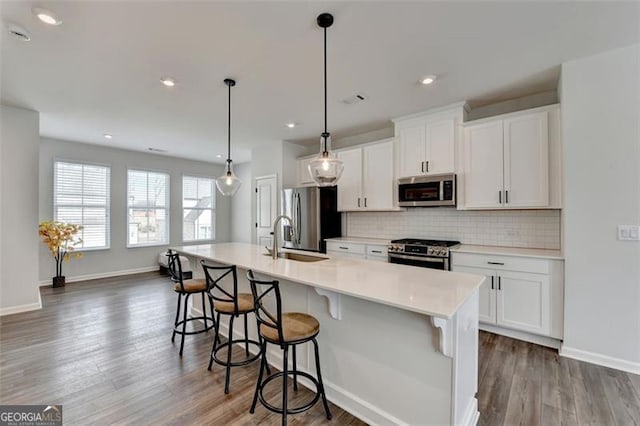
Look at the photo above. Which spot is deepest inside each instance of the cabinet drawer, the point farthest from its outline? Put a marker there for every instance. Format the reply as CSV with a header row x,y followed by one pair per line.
x,y
345,247
376,250
502,263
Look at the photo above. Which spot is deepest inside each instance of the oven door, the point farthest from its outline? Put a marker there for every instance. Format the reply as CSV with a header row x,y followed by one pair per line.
x,y
441,263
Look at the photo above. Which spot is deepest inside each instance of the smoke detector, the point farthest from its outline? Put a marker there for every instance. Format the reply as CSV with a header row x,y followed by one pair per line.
x,y
17,32
356,98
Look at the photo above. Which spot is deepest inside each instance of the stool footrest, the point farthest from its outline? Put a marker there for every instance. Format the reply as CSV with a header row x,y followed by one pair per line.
x,y
246,361
178,327
294,410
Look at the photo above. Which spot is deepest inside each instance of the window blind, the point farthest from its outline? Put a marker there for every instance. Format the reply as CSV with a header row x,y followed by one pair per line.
x,y
81,196
198,205
147,208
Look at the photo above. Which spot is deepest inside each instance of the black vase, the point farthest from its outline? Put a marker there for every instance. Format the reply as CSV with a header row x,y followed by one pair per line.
x,y
58,281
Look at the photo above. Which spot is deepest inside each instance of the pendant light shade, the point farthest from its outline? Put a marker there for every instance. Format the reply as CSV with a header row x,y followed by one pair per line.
x,y
228,184
326,168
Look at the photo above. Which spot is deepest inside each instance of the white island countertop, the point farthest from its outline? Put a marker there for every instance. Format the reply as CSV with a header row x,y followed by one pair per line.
x,y
427,291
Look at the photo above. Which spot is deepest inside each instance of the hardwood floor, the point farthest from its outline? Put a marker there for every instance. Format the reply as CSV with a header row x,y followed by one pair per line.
x,y
102,349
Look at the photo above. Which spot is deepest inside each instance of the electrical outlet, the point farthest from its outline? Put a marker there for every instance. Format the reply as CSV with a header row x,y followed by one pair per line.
x,y
628,232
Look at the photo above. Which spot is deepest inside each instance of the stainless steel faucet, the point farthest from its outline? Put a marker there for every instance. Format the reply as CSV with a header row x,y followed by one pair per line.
x,y
274,246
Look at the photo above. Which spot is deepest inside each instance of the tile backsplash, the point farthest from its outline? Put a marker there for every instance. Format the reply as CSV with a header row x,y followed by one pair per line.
x,y
513,228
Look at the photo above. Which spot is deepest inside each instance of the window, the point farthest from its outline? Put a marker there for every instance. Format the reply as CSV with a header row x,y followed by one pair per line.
x,y
81,196
147,208
198,205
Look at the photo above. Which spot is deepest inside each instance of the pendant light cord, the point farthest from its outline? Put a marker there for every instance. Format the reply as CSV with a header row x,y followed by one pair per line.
x,y
325,134
229,130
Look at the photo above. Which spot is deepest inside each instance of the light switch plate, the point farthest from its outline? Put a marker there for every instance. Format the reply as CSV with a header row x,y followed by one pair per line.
x,y
628,232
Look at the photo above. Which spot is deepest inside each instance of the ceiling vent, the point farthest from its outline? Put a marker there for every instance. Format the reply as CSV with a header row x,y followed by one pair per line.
x,y
356,98
157,150
17,32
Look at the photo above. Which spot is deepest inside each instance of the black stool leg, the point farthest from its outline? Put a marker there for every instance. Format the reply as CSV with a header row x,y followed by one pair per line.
x,y
324,397
218,328
295,370
211,310
285,374
246,336
204,311
184,324
229,350
263,348
216,339
175,323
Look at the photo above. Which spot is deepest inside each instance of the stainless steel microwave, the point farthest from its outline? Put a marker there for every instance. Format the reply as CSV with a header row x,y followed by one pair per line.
x,y
427,191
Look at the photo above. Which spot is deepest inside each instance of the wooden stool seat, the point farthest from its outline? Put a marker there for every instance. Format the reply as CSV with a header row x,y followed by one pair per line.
x,y
191,286
245,304
296,326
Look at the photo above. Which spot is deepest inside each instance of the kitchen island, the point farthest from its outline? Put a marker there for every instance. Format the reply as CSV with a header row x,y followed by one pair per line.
x,y
398,344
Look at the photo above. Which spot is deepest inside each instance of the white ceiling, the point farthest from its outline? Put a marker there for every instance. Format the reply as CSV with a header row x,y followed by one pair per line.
x,y
99,71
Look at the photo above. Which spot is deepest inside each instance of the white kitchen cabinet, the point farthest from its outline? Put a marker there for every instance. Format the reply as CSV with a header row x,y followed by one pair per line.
x,y
520,293
426,143
304,177
367,180
506,162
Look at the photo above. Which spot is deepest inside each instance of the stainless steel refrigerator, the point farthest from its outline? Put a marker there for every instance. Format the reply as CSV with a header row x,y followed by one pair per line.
x,y
315,216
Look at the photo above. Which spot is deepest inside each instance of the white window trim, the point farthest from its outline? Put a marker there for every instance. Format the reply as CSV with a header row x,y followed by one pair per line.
x,y
107,206
213,210
167,208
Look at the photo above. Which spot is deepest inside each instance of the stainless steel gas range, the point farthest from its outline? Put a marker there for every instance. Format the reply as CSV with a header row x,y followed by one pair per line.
x,y
432,254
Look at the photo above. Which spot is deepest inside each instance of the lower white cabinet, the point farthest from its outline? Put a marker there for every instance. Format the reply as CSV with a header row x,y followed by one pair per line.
x,y
524,294
354,250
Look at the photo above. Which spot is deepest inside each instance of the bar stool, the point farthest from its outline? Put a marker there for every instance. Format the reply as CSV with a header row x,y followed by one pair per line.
x,y
232,304
285,330
186,288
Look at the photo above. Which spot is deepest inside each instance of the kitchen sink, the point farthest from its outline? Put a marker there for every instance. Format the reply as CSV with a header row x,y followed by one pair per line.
x,y
298,257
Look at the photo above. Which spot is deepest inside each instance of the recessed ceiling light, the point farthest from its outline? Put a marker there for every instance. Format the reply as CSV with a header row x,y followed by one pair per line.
x,y
168,81
428,79
46,16
219,156
108,136
291,125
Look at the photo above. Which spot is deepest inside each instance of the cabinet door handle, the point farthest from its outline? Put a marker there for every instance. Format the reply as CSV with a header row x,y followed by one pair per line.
x,y
358,201
365,201
343,248
499,197
376,251
422,166
427,166
496,263
492,287
499,283
506,196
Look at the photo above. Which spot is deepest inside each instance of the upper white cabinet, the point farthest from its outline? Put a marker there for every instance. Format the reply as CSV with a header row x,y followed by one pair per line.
x,y
426,143
506,162
367,181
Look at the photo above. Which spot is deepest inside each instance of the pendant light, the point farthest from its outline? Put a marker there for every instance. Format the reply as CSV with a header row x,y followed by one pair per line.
x,y
326,168
228,183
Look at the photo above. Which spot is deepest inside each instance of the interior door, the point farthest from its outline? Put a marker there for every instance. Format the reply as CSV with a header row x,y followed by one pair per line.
x,y
487,292
523,301
266,208
526,160
350,184
483,172
378,176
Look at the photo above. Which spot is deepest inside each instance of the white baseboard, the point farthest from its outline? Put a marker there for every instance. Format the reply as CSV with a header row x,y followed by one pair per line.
x,y
549,342
21,308
471,414
104,275
599,359
344,399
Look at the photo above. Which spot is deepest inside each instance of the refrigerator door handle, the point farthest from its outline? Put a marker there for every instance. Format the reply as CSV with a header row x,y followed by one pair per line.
x,y
297,220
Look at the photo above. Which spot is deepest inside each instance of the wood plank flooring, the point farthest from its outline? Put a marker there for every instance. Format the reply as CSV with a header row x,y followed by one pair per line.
x,y
102,349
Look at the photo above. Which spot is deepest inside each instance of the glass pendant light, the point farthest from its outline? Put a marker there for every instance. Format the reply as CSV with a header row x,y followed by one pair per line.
x,y
228,183
326,168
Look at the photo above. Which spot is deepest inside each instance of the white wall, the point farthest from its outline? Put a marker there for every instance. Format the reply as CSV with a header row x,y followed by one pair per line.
x,y
119,257
241,225
19,142
600,98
